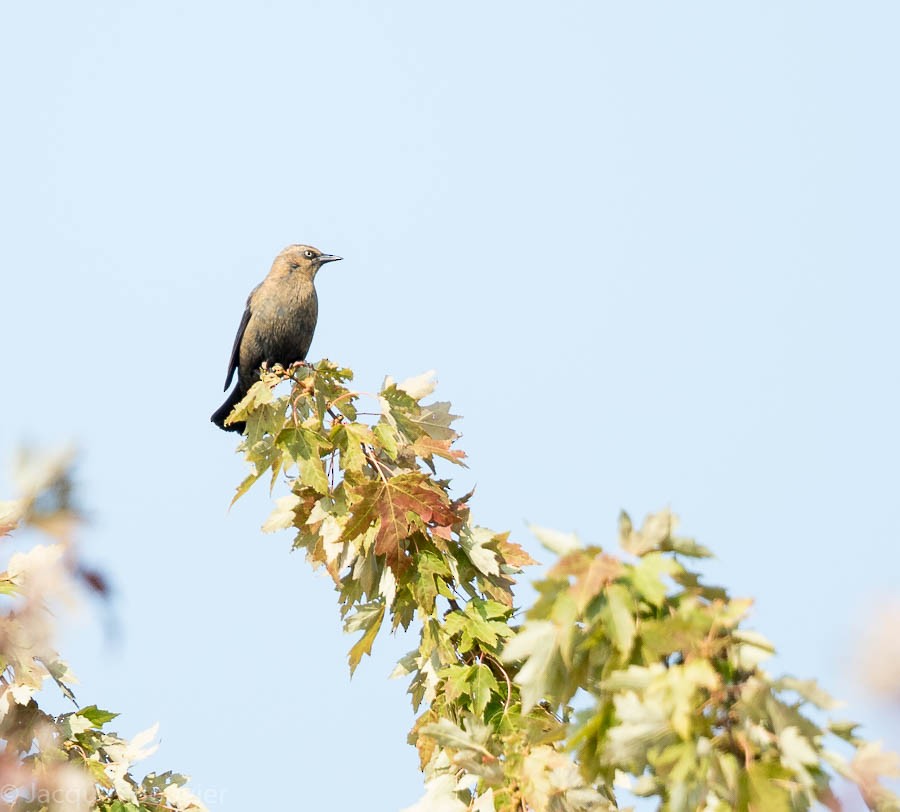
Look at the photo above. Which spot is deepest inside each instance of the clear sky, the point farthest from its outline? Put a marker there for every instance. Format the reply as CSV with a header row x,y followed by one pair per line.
x,y
651,249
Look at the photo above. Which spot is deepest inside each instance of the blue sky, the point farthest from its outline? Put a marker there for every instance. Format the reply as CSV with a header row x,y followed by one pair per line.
x,y
649,248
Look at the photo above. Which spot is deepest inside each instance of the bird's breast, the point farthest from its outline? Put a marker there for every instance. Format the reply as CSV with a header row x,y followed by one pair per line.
x,y
280,330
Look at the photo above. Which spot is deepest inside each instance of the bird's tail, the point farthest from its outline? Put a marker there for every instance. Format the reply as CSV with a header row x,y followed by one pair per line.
x,y
219,415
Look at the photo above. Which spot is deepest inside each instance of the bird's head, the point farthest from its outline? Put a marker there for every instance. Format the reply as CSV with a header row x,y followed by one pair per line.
x,y
304,260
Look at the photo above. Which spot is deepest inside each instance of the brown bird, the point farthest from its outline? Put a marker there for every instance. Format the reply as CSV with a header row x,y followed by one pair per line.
x,y
278,323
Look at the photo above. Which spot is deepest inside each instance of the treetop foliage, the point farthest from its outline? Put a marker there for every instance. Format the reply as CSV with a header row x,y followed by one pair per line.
x,y
628,676
629,672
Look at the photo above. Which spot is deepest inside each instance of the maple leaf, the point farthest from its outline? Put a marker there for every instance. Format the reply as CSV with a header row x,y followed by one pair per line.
x,y
415,420
593,570
475,542
511,553
442,532
435,419
389,502
368,618
350,437
427,447
306,446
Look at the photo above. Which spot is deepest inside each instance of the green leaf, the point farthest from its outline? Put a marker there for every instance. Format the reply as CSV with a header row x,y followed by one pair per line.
x,y
245,486
351,438
845,730
95,716
618,615
767,793
534,645
428,561
435,419
647,576
450,735
368,618
484,683
456,680
654,535
257,395
398,408
692,583
686,547
329,388
59,671
7,587
473,625
386,436
305,447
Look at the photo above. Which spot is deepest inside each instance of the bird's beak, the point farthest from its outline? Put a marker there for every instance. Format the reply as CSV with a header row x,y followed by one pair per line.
x,y
328,258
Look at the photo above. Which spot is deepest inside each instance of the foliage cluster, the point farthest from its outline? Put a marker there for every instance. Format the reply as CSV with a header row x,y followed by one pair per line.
x,y
69,761
628,671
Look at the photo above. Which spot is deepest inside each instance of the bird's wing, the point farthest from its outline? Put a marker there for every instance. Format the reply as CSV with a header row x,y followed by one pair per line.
x,y
235,359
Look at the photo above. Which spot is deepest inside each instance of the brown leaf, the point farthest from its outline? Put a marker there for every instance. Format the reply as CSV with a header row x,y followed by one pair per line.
x,y
426,446
512,553
601,571
463,500
442,531
389,502
424,744
497,587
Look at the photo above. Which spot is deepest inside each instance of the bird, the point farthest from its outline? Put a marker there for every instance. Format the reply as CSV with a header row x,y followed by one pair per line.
x,y
278,323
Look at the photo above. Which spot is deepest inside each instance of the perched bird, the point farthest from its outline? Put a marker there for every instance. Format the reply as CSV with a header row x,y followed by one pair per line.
x,y
278,323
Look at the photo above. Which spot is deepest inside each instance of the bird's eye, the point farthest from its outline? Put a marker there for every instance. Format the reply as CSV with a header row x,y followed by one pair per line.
x,y
308,254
